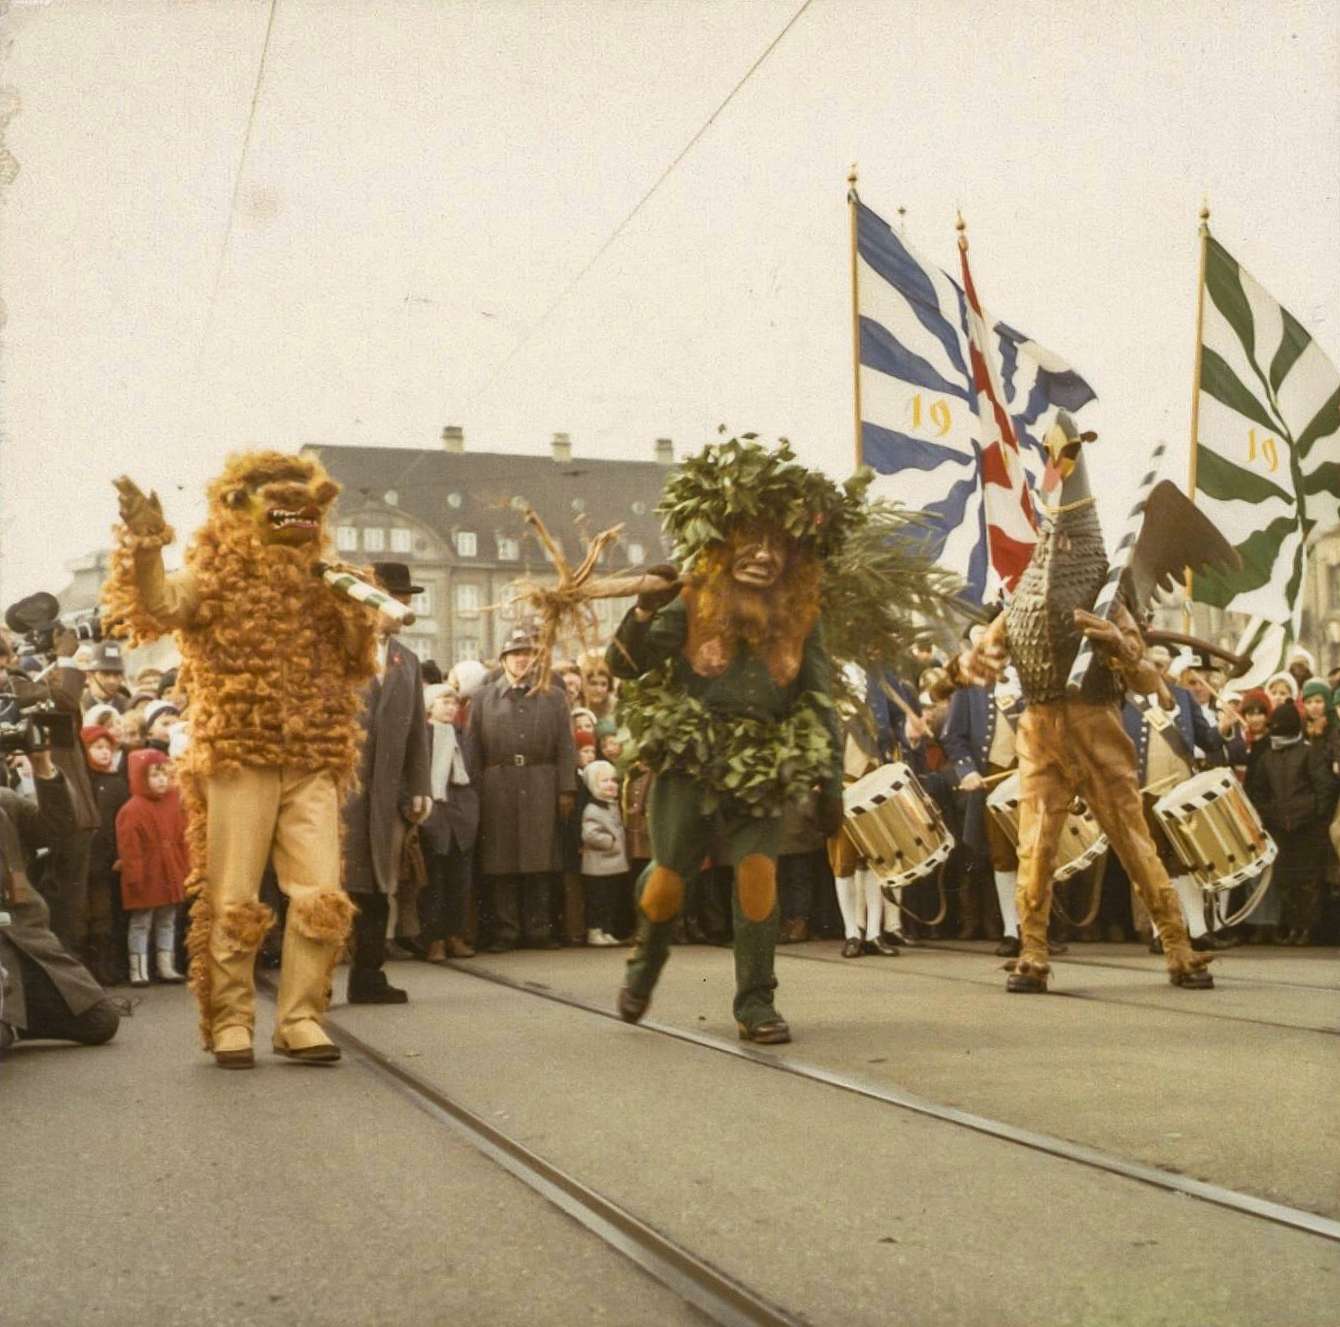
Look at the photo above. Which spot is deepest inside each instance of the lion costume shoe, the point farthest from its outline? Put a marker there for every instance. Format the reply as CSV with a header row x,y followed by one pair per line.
x,y
273,664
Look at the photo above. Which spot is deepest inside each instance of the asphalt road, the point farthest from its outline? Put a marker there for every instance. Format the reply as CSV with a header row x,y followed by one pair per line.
x,y
143,1186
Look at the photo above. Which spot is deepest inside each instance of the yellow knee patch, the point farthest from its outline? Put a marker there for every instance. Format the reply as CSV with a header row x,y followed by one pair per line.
x,y
325,916
663,895
241,927
756,880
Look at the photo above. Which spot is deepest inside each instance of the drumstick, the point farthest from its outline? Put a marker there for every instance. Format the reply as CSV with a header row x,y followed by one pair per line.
x,y
1229,707
988,780
1166,782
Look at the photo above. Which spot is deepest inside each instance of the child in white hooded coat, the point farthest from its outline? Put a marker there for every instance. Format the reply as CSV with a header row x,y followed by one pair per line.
x,y
604,853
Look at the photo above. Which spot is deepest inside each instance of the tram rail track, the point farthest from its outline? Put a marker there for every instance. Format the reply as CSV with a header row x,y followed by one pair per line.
x,y
1247,1204
719,1297
1191,1007
1080,960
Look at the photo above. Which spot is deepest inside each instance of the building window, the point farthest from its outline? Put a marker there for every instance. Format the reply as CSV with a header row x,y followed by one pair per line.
x,y
467,598
636,553
401,541
374,539
346,538
427,625
1333,585
466,544
509,550
467,647
423,601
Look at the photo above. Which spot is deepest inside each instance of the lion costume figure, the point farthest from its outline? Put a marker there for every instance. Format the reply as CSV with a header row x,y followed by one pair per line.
x,y
273,663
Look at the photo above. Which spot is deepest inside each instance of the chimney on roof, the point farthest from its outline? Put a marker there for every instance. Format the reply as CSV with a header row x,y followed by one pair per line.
x,y
665,451
562,448
453,439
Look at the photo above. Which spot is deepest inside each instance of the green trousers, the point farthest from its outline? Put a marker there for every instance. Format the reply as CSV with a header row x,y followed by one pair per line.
x,y
681,839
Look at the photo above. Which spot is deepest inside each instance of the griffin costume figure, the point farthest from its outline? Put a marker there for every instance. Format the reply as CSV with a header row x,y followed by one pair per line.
x,y
1070,737
273,664
733,710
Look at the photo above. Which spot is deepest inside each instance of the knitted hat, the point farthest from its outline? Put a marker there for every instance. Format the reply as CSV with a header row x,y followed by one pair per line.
x,y
582,710
91,733
1288,678
1256,699
584,738
151,712
595,774
607,728
96,714
469,676
1286,721
431,693
1314,686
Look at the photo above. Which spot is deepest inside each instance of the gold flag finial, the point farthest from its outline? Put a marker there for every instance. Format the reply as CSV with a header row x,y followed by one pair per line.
x,y
851,175
962,227
1205,214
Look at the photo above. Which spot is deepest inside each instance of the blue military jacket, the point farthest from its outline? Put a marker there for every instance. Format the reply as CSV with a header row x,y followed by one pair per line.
x,y
890,721
970,728
1195,729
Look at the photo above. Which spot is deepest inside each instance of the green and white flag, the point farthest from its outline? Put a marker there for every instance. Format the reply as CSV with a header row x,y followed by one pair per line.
x,y
1267,445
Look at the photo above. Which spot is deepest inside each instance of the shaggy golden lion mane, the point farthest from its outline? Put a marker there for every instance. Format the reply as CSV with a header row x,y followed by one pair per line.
x,y
266,660
723,613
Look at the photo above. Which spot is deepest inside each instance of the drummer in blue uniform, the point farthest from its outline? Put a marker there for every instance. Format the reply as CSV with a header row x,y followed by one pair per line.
x,y
1169,745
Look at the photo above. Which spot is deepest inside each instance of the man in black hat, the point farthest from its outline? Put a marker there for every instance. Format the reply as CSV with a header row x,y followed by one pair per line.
x,y
105,678
393,794
529,759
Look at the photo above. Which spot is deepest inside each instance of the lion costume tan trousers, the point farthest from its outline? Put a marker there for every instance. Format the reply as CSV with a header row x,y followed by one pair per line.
x,y
1069,747
292,817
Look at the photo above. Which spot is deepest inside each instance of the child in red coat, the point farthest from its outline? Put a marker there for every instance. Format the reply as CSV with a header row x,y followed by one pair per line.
x,y
151,842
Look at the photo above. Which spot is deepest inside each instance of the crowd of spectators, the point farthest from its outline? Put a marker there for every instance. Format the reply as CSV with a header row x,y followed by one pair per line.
x,y
494,814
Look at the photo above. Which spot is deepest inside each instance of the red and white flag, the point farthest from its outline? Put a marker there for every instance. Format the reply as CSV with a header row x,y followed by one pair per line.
x,y
1011,522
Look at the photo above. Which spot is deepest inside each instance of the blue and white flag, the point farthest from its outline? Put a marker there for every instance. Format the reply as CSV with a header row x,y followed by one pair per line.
x,y
920,428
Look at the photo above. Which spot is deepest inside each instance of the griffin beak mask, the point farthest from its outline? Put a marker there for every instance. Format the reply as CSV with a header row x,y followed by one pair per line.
x,y
287,509
1063,446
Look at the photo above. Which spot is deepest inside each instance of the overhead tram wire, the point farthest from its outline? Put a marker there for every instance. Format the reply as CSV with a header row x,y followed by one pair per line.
x,y
618,230
238,177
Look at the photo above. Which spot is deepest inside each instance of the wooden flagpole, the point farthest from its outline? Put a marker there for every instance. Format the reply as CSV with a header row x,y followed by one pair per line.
x,y
1195,383
855,314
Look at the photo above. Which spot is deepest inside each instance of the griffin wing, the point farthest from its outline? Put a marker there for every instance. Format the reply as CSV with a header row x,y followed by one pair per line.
x,y
1174,536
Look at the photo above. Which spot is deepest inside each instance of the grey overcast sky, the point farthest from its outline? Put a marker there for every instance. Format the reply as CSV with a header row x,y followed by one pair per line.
x,y
422,181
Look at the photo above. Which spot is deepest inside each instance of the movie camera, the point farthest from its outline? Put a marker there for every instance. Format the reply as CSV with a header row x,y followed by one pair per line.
x,y
35,620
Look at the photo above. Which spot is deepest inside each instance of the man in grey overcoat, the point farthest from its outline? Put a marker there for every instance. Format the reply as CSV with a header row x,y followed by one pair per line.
x,y
529,782
393,793
45,992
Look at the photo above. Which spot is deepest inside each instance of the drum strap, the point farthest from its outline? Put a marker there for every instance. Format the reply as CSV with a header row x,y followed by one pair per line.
x,y
1166,726
1095,874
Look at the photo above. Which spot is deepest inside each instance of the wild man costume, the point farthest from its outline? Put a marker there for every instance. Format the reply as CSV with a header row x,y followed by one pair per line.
x,y
1070,739
734,708
273,663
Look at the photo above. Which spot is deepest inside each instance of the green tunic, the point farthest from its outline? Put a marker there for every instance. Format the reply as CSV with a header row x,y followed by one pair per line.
x,y
744,689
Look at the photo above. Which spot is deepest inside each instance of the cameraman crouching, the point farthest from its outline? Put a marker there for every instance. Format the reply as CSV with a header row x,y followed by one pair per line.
x,y
46,992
